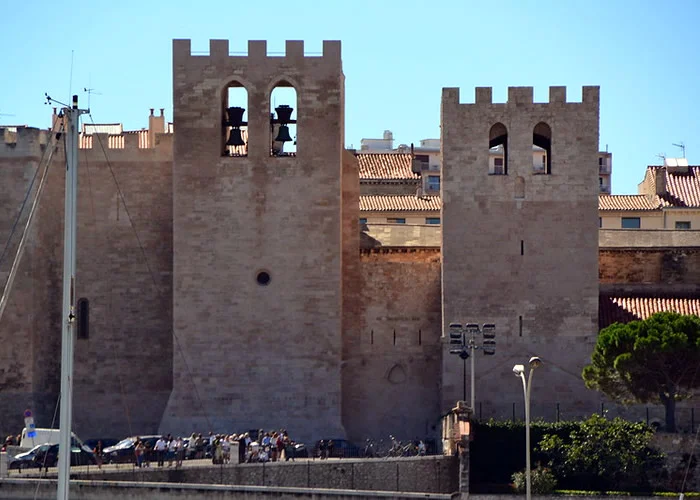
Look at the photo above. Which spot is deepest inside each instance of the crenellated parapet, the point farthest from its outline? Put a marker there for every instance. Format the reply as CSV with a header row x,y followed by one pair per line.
x,y
129,146
17,142
257,54
522,96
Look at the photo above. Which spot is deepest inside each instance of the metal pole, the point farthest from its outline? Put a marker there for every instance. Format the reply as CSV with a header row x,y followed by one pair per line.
x,y
464,380
526,394
68,316
473,355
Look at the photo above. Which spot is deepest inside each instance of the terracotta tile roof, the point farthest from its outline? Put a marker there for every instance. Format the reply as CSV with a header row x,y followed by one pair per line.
x,y
389,166
626,309
628,202
682,189
399,203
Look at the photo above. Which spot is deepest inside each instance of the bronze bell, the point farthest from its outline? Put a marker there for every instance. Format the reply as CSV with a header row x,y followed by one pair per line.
x,y
235,139
235,116
284,113
283,134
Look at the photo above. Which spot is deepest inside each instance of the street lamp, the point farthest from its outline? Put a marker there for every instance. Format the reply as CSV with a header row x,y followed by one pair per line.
x,y
463,339
519,371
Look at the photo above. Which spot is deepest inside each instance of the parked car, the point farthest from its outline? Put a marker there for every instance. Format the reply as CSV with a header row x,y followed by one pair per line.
x,y
123,451
342,448
106,442
296,450
46,455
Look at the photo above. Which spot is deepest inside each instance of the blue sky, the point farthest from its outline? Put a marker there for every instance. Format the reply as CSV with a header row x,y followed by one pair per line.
x,y
397,56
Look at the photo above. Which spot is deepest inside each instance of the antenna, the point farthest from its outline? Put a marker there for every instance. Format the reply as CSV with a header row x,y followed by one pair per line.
x,y
89,93
682,146
662,156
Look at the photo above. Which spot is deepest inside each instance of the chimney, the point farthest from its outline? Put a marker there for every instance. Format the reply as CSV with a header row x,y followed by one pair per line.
x,y
660,178
156,125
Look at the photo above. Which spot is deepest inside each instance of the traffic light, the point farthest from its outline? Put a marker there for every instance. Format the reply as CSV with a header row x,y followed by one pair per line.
x,y
489,330
489,347
456,335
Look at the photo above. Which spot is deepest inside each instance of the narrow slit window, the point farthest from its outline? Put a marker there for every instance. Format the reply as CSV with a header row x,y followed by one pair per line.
x,y
234,120
522,247
283,120
520,326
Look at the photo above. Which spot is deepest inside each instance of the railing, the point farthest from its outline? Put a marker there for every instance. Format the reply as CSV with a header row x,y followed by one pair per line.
x,y
687,418
604,168
605,188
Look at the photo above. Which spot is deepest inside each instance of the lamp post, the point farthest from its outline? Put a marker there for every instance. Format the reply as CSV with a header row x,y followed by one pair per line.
x,y
519,371
463,340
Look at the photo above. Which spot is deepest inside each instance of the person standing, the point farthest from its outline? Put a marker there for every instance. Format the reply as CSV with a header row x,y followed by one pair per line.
x,y
179,452
172,444
98,454
160,448
139,450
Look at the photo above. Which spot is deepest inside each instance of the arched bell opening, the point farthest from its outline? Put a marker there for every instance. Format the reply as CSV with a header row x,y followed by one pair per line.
x,y
498,150
542,149
234,120
283,120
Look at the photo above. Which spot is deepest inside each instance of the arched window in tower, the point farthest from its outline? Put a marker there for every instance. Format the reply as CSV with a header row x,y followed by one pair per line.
x,y
542,149
234,120
283,120
498,150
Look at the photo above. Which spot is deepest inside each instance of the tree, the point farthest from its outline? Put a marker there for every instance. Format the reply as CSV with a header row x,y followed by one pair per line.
x,y
601,454
652,361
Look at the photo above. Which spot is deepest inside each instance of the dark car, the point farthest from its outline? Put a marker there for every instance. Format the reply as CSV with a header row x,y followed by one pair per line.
x,y
342,448
46,455
106,442
123,451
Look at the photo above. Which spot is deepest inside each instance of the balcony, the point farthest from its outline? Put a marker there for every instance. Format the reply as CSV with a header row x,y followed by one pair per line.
x,y
605,188
604,168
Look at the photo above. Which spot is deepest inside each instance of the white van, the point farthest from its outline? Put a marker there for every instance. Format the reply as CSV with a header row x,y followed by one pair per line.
x,y
50,436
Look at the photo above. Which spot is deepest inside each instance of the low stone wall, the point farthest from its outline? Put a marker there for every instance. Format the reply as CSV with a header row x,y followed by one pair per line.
x,y
434,474
30,489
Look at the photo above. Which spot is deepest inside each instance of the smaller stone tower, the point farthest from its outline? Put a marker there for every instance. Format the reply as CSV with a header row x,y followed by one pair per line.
x,y
520,241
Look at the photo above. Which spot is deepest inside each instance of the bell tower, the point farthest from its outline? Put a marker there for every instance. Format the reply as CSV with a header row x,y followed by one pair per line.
x,y
257,242
520,243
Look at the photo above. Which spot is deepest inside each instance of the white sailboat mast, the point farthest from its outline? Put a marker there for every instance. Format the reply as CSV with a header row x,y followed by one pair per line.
x,y
72,116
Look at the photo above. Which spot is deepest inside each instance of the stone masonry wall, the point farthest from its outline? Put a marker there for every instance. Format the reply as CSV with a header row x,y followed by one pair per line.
x,y
520,250
670,266
257,356
394,362
117,385
434,474
21,386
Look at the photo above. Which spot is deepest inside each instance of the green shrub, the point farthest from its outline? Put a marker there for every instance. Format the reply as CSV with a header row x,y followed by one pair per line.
x,y
542,481
596,453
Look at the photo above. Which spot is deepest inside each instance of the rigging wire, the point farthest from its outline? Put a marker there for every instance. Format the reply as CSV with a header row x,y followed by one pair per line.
x,y
153,278
30,218
113,335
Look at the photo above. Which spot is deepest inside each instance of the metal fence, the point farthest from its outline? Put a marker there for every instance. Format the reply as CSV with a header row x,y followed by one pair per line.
x,y
686,416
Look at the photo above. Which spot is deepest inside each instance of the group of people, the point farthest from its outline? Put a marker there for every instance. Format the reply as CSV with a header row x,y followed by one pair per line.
x,y
259,447
166,448
271,446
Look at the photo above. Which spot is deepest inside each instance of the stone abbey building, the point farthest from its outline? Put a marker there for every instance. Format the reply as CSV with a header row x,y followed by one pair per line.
x,y
232,287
